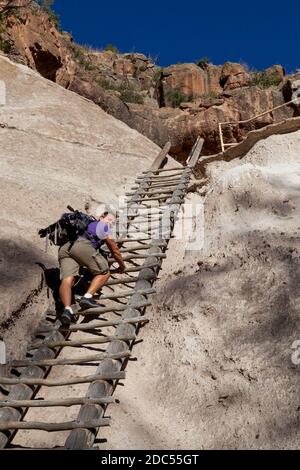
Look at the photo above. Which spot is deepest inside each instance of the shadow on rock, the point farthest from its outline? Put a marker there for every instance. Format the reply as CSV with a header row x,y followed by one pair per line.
x,y
17,260
52,281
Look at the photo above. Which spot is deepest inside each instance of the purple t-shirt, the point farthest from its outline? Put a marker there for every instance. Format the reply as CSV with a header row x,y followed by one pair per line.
x,y
98,231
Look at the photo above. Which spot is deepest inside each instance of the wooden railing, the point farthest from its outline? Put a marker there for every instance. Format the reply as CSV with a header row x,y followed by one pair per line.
x,y
246,121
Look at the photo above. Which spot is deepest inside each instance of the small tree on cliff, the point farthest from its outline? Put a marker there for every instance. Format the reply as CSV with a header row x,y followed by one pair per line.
x,y
203,62
112,48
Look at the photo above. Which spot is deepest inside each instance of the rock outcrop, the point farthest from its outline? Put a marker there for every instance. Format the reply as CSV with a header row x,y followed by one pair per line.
x,y
34,40
234,76
191,80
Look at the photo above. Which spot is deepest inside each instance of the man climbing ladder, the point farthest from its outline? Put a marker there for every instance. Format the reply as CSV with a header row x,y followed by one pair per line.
x,y
84,252
80,237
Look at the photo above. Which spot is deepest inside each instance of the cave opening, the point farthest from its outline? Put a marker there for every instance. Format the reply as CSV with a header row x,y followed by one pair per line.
x,y
47,64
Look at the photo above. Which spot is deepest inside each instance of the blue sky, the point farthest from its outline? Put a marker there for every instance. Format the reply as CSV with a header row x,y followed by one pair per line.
x,y
258,33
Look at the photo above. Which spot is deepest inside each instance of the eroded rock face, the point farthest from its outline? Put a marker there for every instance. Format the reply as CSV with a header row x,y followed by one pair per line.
x,y
38,44
7,4
190,79
121,65
202,117
252,101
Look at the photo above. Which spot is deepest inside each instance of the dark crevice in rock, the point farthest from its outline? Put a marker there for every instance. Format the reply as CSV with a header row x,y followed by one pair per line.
x,y
181,152
159,92
223,81
46,63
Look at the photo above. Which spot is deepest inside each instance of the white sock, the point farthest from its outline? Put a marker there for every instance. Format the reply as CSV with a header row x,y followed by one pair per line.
x,y
88,296
70,309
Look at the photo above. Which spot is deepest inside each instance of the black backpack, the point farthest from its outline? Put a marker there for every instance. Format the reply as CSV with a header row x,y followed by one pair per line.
x,y
68,228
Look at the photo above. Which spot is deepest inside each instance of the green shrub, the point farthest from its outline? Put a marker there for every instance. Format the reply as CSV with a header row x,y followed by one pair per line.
x,y
107,84
203,62
265,80
82,58
16,12
110,47
127,90
176,97
129,93
5,46
210,95
130,96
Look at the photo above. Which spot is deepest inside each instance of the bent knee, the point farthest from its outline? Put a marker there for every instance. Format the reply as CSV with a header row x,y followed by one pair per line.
x,y
105,274
70,281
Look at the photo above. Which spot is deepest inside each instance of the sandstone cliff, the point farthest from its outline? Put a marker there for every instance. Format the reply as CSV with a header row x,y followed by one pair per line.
x,y
56,148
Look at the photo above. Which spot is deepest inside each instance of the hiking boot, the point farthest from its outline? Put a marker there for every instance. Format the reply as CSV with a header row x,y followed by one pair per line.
x,y
88,303
97,296
67,317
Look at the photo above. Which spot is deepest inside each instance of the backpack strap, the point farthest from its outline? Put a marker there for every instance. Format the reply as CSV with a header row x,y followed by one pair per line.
x,y
71,245
55,235
46,243
94,238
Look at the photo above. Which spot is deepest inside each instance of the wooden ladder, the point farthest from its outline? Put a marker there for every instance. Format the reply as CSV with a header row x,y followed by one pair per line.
x,y
156,199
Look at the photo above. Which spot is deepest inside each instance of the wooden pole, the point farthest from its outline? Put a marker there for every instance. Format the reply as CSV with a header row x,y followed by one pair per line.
x,y
54,427
61,382
79,342
66,402
69,360
94,325
161,159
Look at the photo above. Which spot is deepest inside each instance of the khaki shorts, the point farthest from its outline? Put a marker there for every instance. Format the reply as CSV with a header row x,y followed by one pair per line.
x,y
81,253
